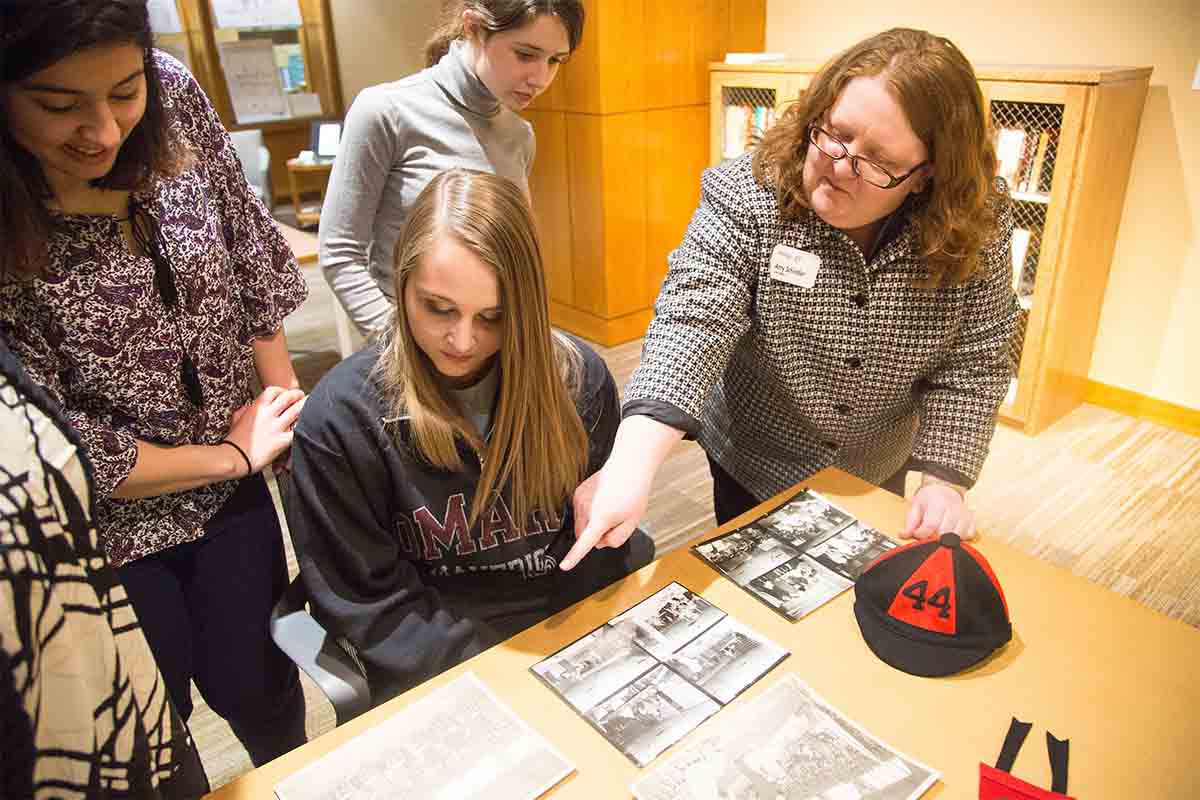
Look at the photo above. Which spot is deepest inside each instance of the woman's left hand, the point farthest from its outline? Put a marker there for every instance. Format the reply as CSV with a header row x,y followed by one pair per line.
x,y
938,508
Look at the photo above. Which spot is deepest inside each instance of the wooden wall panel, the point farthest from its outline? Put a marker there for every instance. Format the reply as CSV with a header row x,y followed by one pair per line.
x,y
548,186
747,26
680,36
608,212
585,182
625,163
678,140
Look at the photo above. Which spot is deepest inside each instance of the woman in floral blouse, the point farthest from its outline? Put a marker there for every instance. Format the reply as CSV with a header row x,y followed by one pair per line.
x,y
144,287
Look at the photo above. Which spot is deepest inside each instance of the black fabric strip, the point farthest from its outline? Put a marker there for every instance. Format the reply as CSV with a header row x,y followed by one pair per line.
x,y
1017,731
1059,750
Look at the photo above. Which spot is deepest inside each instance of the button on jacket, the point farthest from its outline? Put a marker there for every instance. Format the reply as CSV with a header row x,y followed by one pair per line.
x,y
866,370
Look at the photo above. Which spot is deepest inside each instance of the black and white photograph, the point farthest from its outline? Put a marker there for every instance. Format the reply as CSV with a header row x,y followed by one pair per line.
x,y
746,553
799,587
787,743
459,741
804,519
726,659
851,550
596,666
651,714
669,619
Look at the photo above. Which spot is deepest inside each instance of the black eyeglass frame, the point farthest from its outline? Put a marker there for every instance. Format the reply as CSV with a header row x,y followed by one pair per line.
x,y
894,181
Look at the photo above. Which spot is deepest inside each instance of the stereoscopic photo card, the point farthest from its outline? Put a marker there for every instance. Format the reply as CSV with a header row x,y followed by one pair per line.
x,y
745,554
651,714
799,556
649,676
726,659
669,619
851,550
805,519
798,587
788,742
596,666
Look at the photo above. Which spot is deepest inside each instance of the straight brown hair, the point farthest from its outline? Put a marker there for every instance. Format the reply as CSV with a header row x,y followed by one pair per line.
x,y
537,438
935,85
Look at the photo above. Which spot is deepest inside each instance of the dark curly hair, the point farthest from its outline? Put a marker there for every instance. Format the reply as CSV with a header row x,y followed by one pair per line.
x,y
36,34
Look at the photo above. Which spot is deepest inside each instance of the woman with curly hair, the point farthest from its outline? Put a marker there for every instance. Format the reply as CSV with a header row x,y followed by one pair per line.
x,y
842,297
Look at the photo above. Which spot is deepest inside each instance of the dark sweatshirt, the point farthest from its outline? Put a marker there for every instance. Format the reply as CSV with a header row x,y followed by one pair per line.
x,y
382,539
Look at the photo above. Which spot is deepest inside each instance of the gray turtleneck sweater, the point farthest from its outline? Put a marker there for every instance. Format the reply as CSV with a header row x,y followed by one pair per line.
x,y
396,138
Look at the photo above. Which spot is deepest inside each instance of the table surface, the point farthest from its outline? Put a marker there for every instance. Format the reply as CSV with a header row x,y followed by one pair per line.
x,y
1113,677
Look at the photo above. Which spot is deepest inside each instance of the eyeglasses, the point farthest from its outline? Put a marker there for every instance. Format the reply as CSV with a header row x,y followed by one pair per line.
x,y
864,168
149,239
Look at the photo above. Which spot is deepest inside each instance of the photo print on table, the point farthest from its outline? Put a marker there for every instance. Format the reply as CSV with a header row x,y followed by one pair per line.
x,y
457,741
650,675
799,556
787,742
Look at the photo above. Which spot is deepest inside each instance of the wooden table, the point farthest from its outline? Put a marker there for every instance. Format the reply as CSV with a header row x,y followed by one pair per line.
x,y
1114,677
308,176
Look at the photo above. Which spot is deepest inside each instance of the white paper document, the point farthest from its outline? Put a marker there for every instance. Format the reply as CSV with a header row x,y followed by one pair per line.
x,y
457,743
253,79
257,13
788,742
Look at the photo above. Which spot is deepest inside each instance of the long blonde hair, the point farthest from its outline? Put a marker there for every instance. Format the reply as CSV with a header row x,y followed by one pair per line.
x,y
537,439
935,86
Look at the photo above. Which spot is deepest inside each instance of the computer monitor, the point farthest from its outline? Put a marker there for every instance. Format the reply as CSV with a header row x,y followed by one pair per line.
x,y
326,135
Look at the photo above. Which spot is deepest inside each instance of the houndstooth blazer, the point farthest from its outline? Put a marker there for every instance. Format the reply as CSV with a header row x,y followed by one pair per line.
x,y
865,370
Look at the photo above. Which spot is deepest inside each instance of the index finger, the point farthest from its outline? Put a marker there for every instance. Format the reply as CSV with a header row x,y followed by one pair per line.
x,y
583,545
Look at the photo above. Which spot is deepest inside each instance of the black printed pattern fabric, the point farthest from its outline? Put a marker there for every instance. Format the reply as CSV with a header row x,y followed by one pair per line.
x,y
83,709
93,332
861,371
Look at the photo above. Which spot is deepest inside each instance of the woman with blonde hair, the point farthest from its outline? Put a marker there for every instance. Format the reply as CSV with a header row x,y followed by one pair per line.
x,y
842,297
433,470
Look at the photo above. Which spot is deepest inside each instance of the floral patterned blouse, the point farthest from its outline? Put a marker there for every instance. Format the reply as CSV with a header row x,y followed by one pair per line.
x,y
93,331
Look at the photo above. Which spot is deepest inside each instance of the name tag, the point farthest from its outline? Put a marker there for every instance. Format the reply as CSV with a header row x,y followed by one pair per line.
x,y
794,266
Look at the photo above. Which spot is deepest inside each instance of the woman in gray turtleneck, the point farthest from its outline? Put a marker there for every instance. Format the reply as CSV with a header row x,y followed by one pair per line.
x,y
489,60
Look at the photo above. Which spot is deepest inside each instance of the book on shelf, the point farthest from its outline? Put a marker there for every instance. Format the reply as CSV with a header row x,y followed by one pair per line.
x,y
744,126
1039,161
1020,248
1010,155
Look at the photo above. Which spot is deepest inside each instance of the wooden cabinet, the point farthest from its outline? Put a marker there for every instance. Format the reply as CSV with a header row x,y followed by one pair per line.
x,y
284,138
622,137
1077,128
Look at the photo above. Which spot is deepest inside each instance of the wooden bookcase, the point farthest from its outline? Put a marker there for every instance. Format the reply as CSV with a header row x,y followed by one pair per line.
x,y
285,138
1088,118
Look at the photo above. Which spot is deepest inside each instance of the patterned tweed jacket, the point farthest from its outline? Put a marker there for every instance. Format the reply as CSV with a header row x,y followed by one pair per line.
x,y
865,370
